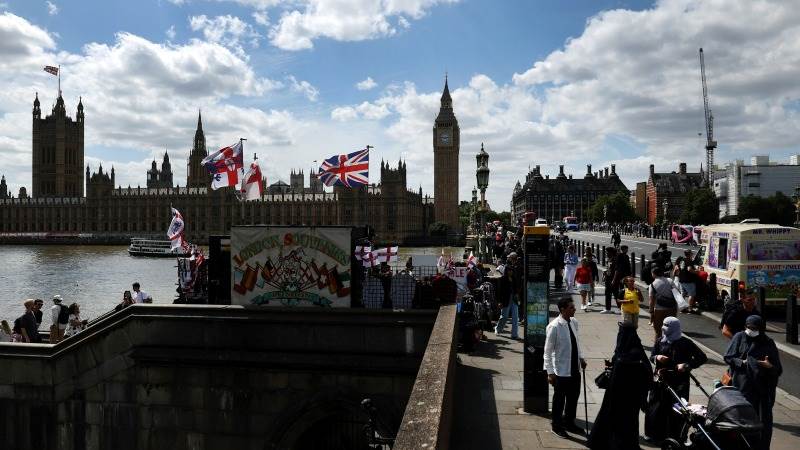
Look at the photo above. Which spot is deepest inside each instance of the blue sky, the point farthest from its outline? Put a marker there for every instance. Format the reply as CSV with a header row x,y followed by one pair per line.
x,y
540,82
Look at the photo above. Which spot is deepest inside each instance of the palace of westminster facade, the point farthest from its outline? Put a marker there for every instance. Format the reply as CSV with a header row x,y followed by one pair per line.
x,y
56,204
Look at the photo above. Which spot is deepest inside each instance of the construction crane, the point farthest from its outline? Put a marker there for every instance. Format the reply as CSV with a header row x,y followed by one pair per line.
x,y
711,144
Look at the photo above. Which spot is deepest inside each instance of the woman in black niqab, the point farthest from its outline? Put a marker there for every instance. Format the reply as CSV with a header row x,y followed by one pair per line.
x,y
755,365
617,423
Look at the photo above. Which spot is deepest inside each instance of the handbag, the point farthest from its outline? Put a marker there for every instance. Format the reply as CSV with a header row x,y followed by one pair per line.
x,y
603,380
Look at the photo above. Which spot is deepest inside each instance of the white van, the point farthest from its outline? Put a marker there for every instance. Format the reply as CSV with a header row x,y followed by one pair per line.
x,y
541,222
753,253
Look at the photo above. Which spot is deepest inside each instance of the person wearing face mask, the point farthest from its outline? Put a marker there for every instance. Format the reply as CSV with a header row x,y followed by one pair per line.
x,y
674,356
755,365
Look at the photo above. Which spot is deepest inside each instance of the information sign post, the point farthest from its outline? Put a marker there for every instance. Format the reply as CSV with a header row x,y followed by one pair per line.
x,y
536,307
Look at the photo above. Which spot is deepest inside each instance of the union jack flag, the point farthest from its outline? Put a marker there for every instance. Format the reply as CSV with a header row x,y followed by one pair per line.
x,y
351,170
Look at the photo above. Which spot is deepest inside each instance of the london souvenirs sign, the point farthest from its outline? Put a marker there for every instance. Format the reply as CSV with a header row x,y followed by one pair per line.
x,y
291,266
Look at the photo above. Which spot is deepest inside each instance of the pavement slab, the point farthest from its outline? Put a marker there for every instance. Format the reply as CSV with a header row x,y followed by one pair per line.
x,y
488,389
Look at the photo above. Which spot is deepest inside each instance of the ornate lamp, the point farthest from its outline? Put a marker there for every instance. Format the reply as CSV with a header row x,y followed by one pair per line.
x,y
482,176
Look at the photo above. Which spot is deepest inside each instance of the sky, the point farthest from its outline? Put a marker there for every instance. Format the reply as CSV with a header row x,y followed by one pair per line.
x,y
538,82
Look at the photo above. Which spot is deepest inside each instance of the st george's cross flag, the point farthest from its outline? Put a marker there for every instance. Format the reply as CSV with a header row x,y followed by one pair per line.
x,y
350,170
226,166
387,255
175,231
252,188
472,261
363,252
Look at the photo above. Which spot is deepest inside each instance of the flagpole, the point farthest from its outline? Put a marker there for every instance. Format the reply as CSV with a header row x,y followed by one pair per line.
x,y
241,198
59,80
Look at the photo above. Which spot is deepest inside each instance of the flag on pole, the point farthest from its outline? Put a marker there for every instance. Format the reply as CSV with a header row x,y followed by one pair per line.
x,y
252,188
175,231
363,252
51,70
387,255
350,170
226,166
472,261
369,260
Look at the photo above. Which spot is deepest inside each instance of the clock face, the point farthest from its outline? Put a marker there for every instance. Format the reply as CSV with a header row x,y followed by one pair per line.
x,y
444,137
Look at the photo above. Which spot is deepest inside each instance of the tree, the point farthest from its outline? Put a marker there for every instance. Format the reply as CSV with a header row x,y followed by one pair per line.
x,y
777,209
701,207
618,208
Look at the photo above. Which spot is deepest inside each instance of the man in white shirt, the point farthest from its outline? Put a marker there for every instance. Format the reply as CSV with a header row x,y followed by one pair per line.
x,y
563,361
140,296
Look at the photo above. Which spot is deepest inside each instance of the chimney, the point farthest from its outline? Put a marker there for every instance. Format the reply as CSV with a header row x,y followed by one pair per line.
x,y
561,170
652,169
570,176
595,174
606,172
588,169
682,168
613,169
547,177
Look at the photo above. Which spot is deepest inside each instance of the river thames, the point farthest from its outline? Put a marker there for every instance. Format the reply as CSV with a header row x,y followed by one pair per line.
x,y
96,276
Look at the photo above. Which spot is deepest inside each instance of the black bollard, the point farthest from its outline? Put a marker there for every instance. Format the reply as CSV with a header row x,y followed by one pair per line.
x,y
713,296
762,303
734,290
642,263
603,262
791,319
633,264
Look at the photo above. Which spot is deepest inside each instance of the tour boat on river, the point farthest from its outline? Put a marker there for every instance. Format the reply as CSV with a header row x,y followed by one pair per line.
x,y
153,247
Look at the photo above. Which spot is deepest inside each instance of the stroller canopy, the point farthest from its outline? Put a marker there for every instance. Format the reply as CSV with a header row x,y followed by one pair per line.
x,y
729,410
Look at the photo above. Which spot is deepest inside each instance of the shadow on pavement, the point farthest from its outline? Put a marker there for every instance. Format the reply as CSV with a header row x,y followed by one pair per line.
x,y
475,410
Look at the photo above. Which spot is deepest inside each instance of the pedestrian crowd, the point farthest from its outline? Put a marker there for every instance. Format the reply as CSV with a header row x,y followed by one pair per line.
x,y
64,320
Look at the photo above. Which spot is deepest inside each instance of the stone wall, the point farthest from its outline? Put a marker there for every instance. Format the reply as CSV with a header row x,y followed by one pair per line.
x,y
207,377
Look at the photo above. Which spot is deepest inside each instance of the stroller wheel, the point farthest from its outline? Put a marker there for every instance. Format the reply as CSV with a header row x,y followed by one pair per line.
x,y
671,444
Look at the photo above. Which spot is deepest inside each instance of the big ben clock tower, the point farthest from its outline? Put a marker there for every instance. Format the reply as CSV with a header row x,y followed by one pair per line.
x,y
446,141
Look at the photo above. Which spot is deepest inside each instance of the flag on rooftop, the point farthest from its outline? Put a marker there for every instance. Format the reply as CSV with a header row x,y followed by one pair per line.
x,y
226,166
351,170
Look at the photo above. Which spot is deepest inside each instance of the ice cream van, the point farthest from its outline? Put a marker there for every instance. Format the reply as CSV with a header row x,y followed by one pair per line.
x,y
756,254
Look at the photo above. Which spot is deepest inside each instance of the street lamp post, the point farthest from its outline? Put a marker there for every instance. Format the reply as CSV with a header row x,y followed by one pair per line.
x,y
605,213
482,175
474,210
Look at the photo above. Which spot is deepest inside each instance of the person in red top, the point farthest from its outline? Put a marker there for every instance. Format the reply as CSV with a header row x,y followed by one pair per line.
x,y
701,272
584,281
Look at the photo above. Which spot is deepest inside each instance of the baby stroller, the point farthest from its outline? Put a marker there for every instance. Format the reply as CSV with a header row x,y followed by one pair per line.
x,y
725,424
468,324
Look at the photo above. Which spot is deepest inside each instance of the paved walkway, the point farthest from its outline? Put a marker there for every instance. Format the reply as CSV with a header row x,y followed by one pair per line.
x,y
488,389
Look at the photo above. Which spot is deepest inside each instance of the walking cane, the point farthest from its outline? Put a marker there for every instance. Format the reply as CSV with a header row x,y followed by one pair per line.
x,y
585,404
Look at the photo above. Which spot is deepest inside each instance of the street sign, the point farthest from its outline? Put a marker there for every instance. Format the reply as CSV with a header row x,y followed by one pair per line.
x,y
536,307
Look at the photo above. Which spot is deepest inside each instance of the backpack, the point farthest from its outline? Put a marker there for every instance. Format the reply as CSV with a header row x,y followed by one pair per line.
x,y
63,315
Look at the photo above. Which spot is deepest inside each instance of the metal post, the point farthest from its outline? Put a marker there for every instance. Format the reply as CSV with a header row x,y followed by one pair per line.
x,y
633,264
762,303
734,290
712,291
603,253
791,319
642,263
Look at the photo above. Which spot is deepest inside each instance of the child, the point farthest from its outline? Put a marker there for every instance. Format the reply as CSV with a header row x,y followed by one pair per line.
x,y
630,303
584,281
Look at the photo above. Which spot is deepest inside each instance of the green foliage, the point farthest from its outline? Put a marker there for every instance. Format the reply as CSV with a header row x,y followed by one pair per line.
x,y
505,217
701,207
777,209
619,208
438,229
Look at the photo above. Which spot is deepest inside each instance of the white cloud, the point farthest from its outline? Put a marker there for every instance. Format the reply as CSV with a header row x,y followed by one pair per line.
x,y
170,32
227,30
52,8
303,87
366,85
344,20
261,18
138,95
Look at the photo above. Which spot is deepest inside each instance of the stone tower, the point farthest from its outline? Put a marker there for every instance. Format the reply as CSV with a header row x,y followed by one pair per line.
x,y
296,181
446,142
196,174
3,188
57,169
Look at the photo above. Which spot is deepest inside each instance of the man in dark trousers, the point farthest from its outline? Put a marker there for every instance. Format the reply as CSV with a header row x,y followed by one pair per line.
x,y
557,261
563,362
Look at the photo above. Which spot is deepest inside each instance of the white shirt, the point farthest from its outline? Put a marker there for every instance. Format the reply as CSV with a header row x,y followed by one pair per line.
x,y
558,347
54,310
140,297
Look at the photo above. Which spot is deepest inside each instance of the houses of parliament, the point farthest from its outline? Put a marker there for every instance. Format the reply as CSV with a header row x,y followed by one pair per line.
x,y
57,206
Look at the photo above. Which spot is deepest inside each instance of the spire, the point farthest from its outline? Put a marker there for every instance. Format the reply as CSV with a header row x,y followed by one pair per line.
x,y
166,156
36,101
446,100
37,113
199,120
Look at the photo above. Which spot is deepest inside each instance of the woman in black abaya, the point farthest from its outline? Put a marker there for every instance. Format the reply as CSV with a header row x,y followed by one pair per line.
x,y
755,365
617,423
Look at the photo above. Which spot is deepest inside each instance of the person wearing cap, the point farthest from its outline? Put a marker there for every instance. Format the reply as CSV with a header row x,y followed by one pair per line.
x,y
755,366
58,326
733,319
